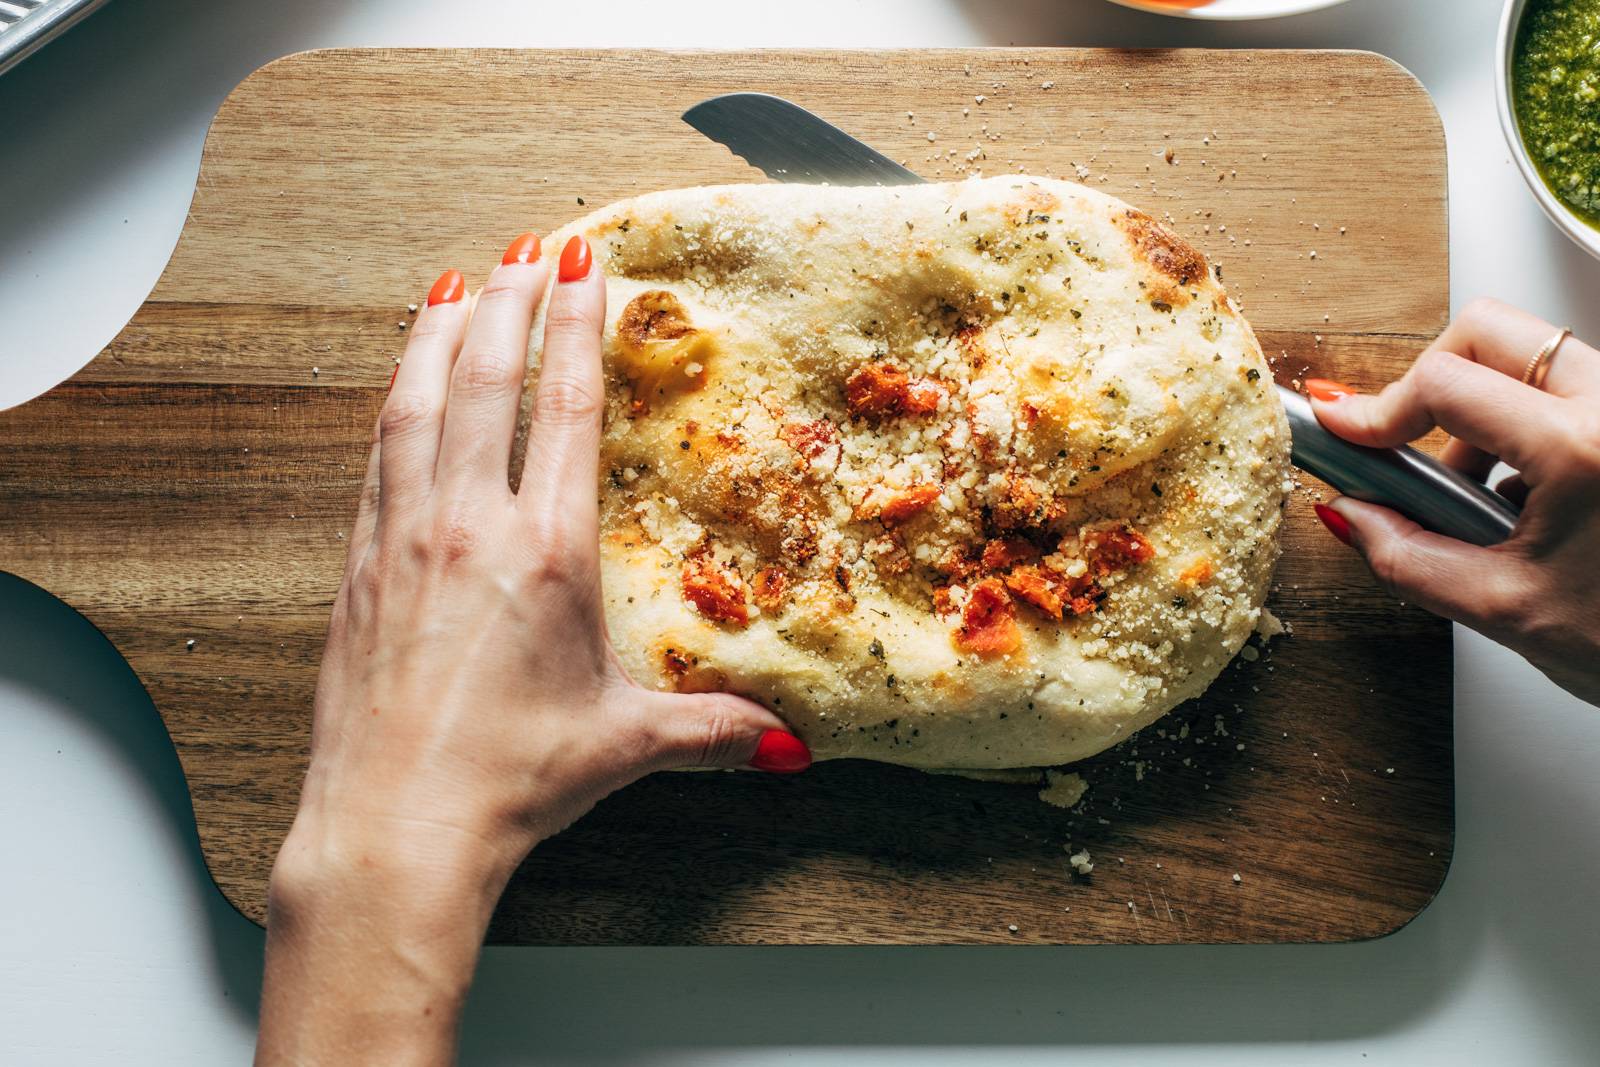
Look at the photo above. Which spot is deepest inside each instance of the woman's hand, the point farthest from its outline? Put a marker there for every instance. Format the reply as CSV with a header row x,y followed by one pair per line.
x,y
1539,592
469,703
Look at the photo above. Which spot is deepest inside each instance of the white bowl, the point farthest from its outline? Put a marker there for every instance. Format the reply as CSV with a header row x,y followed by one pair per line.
x,y
1585,235
1231,9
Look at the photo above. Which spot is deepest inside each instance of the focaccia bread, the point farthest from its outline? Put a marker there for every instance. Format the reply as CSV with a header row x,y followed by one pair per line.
x,y
978,475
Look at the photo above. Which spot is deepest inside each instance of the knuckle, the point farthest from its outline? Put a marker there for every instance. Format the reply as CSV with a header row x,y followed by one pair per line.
x,y
1437,368
454,536
569,318
405,413
702,734
717,731
504,288
434,323
556,566
1393,560
562,400
1384,560
1481,310
488,370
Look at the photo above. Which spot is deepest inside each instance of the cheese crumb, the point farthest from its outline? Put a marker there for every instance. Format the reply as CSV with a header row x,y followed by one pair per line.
x,y
1063,789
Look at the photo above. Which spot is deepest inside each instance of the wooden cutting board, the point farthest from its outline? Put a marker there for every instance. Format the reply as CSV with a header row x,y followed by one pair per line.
x,y
194,482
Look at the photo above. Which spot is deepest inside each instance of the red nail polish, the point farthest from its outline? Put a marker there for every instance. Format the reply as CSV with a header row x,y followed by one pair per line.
x,y
1323,389
779,752
393,376
525,249
1334,521
575,261
448,289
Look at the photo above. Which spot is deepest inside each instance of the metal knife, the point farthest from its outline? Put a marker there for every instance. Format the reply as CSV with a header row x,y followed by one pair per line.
x,y
790,144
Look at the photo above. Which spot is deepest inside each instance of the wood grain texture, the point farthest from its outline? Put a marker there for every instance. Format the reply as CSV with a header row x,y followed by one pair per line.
x,y
194,482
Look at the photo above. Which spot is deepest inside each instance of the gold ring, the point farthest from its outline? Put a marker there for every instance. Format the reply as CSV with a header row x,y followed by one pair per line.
x,y
1539,365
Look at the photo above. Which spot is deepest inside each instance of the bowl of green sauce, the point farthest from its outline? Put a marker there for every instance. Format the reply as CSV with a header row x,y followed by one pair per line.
x,y
1548,85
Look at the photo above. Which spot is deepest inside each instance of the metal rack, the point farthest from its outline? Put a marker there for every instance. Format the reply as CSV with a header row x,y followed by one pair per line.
x,y
25,25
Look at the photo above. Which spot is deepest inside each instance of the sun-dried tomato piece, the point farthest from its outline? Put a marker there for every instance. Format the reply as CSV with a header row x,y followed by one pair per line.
x,y
771,585
1003,553
1115,549
882,389
988,621
1086,596
716,590
1043,591
1055,593
907,503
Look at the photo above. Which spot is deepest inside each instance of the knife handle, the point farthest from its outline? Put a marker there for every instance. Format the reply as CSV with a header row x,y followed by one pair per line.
x,y
1417,485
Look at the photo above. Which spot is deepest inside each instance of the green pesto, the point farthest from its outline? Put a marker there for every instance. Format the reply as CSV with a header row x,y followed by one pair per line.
x,y
1555,90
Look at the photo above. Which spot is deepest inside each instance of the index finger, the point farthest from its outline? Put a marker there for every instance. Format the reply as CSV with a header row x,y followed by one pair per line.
x,y
1481,406
1506,338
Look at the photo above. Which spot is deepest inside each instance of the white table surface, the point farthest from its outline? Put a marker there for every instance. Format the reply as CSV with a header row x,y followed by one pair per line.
x,y
115,947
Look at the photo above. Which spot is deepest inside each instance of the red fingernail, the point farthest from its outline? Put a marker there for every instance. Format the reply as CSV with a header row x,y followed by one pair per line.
x,y
779,752
525,249
393,376
448,289
1334,521
575,261
1323,389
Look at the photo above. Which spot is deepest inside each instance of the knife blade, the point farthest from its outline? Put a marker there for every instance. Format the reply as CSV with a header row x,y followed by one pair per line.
x,y
790,144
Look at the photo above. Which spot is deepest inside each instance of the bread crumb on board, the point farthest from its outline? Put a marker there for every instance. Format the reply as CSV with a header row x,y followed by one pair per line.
x,y
1080,861
1063,789
1270,626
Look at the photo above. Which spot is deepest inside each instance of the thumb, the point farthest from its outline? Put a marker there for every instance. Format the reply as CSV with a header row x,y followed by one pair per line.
x,y
722,730
1478,587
